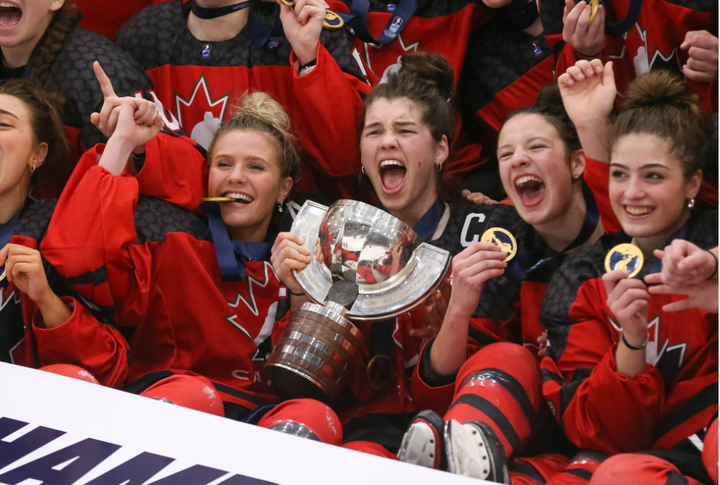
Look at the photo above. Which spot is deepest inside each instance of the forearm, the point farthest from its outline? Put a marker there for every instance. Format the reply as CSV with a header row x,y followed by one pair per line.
x,y
116,154
54,311
594,136
630,362
449,351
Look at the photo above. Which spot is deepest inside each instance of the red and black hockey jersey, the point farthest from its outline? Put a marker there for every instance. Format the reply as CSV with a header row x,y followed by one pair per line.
x,y
442,27
602,409
106,18
503,72
17,343
200,82
653,42
509,305
72,74
14,309
155,264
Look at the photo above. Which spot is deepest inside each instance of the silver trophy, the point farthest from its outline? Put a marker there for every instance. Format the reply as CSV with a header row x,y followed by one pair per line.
x,y
366,266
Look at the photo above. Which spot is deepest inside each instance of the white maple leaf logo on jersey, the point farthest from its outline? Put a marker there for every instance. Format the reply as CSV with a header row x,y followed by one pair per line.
x,y
251,304
199,114
663,356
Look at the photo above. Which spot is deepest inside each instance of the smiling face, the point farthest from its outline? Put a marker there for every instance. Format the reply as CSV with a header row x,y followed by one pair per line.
x,y
18,148
534,168
245,166
648,190
25,21
400,156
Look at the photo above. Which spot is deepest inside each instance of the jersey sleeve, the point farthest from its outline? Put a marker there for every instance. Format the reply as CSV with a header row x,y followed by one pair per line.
x,y
91,231
83,341
430,389
597,177
598,407
175,169
329,107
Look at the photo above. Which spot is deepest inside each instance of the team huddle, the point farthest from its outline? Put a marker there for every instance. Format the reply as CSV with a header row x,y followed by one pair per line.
x,y
563,154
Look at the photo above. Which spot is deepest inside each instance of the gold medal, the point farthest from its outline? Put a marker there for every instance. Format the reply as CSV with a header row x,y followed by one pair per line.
x,y
593,10
333,21
2,276
501,238
217,199
624,256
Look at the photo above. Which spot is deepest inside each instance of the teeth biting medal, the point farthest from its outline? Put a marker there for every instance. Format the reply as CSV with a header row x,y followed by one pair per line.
x,y
624,256
501,238
217,199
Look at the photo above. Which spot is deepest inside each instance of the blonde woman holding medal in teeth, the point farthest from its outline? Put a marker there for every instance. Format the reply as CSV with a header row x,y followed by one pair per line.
x,y
197,302
631,367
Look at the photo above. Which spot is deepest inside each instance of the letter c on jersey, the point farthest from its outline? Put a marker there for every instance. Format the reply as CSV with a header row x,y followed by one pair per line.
x,y
473,225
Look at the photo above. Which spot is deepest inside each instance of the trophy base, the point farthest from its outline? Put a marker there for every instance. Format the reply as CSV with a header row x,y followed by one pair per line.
x,y
293,385
315,354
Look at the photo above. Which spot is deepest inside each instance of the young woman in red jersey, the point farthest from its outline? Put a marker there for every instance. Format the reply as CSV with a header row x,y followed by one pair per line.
x,y
193,300
624,372
40,41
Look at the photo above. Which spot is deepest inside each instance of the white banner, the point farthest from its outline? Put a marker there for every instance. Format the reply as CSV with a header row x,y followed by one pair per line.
x,y
60,431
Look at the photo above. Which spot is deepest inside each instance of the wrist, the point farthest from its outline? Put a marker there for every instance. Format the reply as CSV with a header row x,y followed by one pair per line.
x,y
634,341
306,55
584,56
54,311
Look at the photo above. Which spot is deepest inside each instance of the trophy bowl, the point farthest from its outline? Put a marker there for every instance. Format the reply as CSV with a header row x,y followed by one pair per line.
x,y
366,265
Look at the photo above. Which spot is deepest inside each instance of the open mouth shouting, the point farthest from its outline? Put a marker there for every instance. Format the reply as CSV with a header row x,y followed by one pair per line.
x,y
392,174
241,199
530,188
10,15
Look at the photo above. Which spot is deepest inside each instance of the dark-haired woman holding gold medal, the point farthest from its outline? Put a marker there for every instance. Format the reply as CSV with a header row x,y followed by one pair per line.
x,y
633,367
484,359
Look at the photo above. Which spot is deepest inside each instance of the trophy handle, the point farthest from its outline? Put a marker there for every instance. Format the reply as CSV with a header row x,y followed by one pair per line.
x,y
315,278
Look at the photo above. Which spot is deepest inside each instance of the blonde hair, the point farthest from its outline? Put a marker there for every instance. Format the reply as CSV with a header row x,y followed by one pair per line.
x,y
260,112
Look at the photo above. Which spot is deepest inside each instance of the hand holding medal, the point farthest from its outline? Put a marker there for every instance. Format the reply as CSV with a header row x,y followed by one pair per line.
x,y
501,238
627,297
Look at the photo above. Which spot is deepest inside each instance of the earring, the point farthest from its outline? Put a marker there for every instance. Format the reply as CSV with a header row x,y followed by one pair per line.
x,y
691,203
576,176
280,209
32,169
362,169
439,167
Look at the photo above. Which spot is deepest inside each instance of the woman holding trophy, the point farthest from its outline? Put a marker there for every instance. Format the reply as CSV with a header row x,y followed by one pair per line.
x,y
195,303
406,131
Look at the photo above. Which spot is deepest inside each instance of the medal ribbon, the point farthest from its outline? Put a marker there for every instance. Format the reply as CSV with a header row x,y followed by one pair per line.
x,y
357,20
232,256
425,227
621,27
213,13
427,224
259,33
525,263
